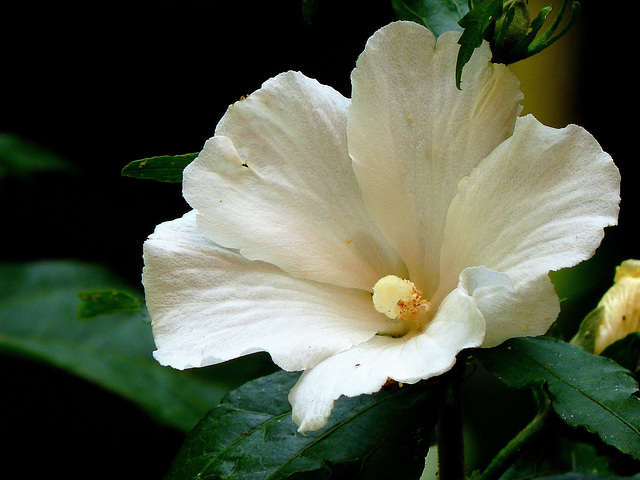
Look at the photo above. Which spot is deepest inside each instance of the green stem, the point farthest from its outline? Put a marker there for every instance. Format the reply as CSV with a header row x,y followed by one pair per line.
x,y
450,439
512,450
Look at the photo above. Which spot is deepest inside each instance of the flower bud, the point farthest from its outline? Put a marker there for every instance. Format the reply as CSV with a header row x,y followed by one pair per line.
x,y
621,304
516,28
617,314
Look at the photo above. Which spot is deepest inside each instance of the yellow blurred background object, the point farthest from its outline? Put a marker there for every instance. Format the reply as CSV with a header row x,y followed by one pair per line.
x,y
548,78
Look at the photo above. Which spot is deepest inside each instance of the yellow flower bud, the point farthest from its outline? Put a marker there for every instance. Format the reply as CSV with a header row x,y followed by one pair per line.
x,y
621,306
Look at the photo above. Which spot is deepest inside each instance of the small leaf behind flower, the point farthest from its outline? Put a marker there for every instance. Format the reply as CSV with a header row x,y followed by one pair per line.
x,y
21,158
439,16
251,435
586,390
586,336
475,23
164,168
106,302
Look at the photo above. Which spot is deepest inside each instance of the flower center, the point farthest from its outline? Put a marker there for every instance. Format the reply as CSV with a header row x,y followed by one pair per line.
x,y
398,298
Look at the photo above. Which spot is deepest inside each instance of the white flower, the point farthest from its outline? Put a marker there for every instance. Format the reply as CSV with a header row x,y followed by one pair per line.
x,y
304,200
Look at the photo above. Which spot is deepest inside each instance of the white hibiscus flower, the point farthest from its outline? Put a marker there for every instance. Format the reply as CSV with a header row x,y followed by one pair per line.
x,y
443,203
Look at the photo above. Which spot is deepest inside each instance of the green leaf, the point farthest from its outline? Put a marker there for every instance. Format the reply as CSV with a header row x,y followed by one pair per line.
x,y
586,336
439,16
586,390
583,476
38,303
21,158
107,301
625,351
164,168
250,435
546,39
476,25
309,9
555,454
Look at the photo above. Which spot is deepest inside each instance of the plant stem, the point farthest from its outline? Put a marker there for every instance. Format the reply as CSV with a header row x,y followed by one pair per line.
x,y
451,463
510,452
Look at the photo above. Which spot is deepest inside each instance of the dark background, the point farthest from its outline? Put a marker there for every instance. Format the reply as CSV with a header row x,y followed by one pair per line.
x,y
102,84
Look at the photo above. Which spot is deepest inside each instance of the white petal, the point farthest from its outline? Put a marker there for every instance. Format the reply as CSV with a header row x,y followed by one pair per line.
x,y
209,304
509,310
539,202
365,368
413,135
276,183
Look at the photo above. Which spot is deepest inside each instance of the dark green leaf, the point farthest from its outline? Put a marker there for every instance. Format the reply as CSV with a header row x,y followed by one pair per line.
x,y
556,453
309,9
107,301
625,351
38,303
250,435
21,158
582,476
439,16
547,39
586,390
476,24
164,168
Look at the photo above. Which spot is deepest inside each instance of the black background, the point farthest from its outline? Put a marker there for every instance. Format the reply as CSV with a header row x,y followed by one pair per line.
x,y
102,84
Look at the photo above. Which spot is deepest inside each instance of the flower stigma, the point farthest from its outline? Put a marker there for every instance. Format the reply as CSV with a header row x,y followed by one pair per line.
x,y
399,299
